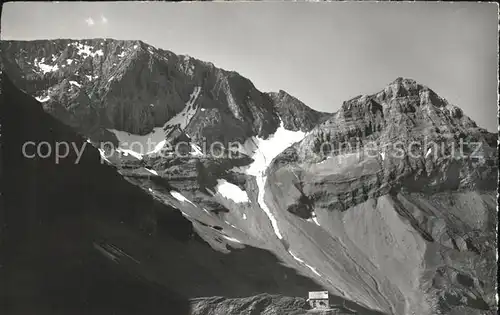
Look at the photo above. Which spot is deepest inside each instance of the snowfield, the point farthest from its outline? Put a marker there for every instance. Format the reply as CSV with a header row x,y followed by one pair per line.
x,y
231,239
304,263
314,219
44,67
103,155
428,152
153,142
75,83
86,50
43,99
231,191
152,171
196,150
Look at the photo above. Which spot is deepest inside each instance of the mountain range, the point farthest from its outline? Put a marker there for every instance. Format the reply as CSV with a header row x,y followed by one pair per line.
x,y
388,203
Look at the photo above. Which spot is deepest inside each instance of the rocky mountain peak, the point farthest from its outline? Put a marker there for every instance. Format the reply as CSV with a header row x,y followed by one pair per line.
x,y
404,111
406,150
402,88
295,114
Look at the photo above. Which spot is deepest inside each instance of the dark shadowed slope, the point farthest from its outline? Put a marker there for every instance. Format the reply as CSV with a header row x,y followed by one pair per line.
x,y
49,264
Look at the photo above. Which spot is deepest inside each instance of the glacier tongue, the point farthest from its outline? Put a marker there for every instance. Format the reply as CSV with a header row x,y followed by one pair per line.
x,y
155,140
261,181
266,151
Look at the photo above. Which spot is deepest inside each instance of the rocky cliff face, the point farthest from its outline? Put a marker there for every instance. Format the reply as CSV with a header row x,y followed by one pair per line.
x,y
295,114
403,136
379,203
99,84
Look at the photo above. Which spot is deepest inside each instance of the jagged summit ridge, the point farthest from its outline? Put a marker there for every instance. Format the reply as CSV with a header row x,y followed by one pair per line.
x,y
404,88
99,84
405,108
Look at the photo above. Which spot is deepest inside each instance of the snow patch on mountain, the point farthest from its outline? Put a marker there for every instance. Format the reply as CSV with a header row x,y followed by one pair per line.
x,y
45,68
153,142
103,155
265,151
86,50
152,171
232,225
180,197
232,239
42,99
75,83
428,152
304,263
196,150
231,191
314,219
183,118
158,147
185,214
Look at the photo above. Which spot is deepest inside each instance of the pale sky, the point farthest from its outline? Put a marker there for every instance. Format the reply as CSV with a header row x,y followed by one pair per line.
x,y
322,53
